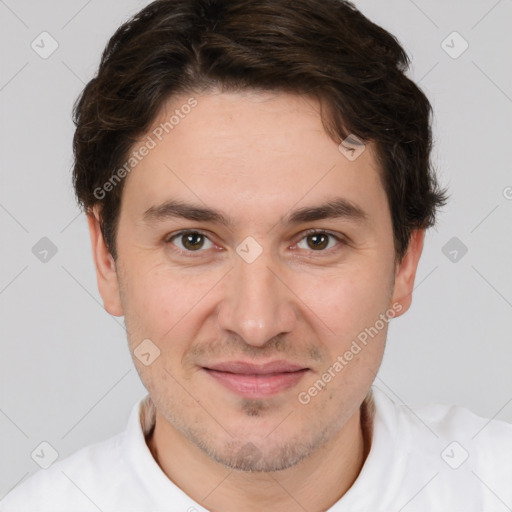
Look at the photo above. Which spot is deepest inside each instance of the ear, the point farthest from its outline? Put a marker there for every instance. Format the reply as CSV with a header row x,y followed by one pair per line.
x,y
406,271
106,273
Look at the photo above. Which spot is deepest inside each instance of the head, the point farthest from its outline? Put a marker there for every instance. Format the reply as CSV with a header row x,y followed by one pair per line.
x,y
257,180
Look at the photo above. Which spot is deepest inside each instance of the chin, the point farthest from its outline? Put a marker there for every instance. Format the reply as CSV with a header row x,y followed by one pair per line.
x,y
253,458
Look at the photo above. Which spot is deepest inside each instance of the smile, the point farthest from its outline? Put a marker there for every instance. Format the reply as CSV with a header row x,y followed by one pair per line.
x,y
256,381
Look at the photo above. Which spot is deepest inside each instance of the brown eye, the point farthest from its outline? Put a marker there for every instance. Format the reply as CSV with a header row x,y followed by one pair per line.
x,y
319,241
190,241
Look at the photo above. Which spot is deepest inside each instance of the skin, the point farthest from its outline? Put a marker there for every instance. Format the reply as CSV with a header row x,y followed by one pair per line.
x,y
255,157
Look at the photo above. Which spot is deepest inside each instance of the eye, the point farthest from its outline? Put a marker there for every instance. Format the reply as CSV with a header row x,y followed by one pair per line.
x,y
319,241
190,241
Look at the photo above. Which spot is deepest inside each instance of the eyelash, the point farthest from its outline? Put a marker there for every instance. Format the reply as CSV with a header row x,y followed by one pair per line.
x,y
168,240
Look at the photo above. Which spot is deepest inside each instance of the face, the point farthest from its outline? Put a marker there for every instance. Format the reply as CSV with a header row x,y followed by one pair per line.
x,y
258,260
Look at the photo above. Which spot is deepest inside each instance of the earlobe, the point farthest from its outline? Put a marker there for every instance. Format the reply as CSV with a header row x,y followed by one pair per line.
x,y
406,271
106,272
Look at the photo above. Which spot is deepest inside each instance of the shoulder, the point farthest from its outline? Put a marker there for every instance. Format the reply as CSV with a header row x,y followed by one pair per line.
x,y
444,421
67,484
451,454
478,434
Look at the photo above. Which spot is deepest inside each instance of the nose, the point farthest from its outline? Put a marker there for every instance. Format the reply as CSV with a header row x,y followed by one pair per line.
x,y
257,305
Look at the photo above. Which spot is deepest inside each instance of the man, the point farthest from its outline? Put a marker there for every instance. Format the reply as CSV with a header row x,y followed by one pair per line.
x,y
257,181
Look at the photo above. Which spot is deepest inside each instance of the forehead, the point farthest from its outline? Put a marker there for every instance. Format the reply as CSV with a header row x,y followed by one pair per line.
x,y
247,151
235,124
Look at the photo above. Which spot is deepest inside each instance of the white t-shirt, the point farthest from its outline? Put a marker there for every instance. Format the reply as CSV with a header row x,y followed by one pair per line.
x,y
429,459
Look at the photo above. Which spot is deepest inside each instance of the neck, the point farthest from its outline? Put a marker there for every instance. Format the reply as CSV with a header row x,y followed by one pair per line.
x,y
314,484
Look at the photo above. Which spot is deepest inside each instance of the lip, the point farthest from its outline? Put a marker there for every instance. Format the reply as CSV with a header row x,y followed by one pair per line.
x,y
256,381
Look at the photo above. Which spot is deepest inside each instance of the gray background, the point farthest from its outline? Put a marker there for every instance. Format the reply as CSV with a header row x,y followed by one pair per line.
x,y
66,376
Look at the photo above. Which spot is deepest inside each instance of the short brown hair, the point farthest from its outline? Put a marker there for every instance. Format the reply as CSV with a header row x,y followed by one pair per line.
x,y
325,49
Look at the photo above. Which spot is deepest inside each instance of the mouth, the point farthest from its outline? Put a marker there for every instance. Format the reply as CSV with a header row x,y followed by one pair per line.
x,y
256,381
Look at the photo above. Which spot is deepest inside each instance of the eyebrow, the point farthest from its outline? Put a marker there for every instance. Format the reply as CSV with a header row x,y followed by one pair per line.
x,y
337,208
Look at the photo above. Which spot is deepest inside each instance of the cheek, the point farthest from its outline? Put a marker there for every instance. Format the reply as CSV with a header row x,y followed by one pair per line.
x,y
351,306
349,300
159,302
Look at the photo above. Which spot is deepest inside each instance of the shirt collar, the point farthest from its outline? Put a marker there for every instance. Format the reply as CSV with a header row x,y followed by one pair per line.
x,y
383,468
